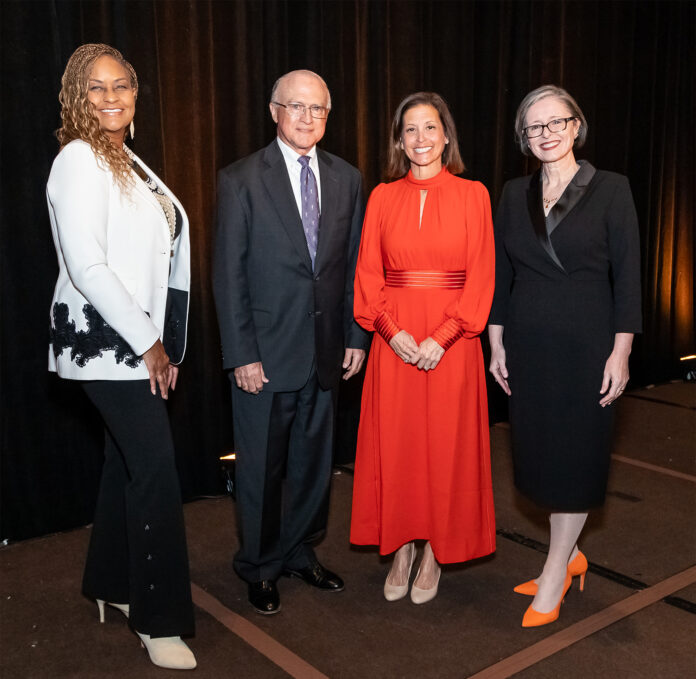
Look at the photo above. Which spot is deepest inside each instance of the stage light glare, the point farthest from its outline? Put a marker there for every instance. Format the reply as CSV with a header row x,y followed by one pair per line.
x,y
227,466
690,357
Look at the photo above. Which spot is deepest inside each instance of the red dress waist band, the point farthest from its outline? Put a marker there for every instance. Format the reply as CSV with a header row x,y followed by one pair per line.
x,y
424,279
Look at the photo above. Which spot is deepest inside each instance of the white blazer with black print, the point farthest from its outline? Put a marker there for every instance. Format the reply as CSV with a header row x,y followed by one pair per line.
x,y
122,284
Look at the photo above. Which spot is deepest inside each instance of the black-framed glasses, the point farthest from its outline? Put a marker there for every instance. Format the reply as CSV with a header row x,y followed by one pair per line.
x,y
556,125
298,110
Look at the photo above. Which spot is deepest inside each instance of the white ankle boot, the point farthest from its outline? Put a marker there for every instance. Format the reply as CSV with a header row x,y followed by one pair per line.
x,y
169,652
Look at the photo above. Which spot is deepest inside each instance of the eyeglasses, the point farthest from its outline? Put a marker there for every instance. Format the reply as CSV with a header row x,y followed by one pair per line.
x,y
296,110
557,125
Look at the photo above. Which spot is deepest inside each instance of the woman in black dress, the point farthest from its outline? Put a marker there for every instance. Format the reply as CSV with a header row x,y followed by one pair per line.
x,y
566,306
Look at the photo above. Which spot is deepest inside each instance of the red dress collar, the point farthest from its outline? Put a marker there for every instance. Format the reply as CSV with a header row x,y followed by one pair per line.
x,y
440,178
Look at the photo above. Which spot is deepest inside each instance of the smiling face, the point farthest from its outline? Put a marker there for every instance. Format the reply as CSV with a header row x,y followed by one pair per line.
x,y
423,140
303,132
110,91
551,147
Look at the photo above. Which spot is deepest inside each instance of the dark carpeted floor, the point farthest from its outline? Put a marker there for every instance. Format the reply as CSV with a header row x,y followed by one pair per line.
x,y
643,535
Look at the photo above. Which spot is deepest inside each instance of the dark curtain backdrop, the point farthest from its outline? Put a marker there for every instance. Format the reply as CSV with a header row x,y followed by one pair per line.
x,y
206,69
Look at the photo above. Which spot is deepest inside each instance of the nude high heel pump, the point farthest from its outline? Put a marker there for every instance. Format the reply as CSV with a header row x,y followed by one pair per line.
x,y
533,618
578,566
396,592
169,652
124,608
421,596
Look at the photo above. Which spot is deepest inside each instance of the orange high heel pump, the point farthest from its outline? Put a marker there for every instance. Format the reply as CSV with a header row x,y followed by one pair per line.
x,y
578,566
533,618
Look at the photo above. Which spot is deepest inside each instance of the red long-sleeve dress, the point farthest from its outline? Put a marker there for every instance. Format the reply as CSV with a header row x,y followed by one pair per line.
x,y
422,467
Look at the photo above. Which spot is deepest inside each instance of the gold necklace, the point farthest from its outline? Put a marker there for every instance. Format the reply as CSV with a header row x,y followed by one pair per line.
x,y
548,201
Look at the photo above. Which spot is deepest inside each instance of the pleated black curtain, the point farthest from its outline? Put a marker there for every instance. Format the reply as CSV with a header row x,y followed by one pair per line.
x,y
206,69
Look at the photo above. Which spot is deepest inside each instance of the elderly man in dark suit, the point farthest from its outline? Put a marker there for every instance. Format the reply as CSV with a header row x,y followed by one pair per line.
x,y
288,232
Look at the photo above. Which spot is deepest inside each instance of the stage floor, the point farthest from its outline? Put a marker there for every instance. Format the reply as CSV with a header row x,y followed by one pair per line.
x,y
636,618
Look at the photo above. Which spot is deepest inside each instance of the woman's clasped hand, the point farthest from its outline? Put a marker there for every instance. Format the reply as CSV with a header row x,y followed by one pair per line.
x,y
424,356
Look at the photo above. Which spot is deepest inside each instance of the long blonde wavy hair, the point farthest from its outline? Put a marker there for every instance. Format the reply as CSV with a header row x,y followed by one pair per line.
x,y
77,112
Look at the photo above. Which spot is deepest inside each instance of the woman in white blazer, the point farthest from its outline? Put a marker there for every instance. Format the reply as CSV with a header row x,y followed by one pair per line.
x,y
118,324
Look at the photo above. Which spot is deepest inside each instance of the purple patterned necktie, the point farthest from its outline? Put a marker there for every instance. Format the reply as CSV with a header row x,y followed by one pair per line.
x,y
310,206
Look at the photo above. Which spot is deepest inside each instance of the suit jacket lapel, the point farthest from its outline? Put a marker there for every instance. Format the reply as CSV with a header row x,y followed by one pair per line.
x,y
575,190
277,183
329,199
536,214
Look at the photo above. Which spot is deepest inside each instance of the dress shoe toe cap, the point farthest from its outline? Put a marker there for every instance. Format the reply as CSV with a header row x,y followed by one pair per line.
x,y
264,597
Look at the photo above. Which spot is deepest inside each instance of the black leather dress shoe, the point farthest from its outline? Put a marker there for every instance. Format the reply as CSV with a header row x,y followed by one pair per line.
x,y
318,577
263,596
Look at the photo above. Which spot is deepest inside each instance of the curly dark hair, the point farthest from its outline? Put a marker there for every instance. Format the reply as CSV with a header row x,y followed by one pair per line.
x,y
77,112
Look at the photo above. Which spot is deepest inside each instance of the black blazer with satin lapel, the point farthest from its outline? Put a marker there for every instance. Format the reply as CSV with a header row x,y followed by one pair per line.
x,y
593,234
271,306
544,225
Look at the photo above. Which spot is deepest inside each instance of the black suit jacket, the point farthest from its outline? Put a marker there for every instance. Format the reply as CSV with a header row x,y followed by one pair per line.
x,y
271,306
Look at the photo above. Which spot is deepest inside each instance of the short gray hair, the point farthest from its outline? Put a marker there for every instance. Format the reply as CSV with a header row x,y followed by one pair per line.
x,y
302,71
542,93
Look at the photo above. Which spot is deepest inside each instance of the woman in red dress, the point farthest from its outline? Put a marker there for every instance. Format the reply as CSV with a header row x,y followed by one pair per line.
x,y
424,282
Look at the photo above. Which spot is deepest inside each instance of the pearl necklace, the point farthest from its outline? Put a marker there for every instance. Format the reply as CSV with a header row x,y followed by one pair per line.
x,y
164,200
167,207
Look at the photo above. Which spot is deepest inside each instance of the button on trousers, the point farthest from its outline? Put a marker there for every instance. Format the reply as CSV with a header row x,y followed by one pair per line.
x,y
137,552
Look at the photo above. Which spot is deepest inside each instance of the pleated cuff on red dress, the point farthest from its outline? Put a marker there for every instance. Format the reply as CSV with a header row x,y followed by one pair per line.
x,y
448,333
385,326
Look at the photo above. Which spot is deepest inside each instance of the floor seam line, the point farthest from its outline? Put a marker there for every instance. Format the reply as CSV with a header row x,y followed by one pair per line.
x,y
586,627
655,468
661,401
596,569
259,640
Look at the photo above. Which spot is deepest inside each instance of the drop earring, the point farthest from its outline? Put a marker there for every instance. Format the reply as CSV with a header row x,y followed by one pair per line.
x,y
132,130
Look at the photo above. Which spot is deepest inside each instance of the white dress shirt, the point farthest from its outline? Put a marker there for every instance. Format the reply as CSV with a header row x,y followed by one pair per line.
x,y
294,168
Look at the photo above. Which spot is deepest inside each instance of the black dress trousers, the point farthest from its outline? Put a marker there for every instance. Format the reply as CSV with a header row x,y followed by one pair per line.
x,y
137,552
284,446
